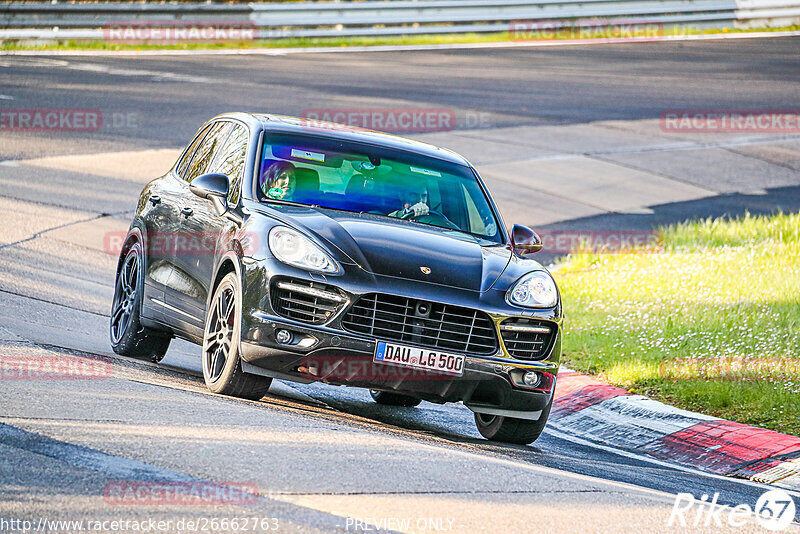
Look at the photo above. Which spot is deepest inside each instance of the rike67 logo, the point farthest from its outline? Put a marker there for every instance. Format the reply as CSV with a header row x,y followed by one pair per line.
x,y
775,510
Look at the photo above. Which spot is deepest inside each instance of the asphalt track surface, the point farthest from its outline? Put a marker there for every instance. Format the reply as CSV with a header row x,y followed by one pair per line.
x,y
173,96
319,454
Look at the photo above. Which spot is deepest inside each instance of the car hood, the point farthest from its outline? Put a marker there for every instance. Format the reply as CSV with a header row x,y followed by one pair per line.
x,y
403,249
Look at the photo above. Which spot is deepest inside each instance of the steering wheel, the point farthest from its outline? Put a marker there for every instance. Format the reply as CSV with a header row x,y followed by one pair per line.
x,y
432,217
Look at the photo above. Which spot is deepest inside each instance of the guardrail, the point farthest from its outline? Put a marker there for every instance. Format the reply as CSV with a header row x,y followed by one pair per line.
x,y
388,17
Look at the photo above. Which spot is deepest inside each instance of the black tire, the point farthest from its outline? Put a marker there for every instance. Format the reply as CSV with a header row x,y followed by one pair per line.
x,y
128,336
222,366
394,399
510,430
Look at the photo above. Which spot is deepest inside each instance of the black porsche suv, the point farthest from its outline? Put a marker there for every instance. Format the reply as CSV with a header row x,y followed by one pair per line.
x,y
318,252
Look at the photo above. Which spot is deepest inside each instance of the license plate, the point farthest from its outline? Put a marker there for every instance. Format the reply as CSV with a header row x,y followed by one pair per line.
x,y
432,360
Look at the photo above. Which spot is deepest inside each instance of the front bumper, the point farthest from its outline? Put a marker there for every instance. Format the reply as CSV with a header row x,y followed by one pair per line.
x,y
332,355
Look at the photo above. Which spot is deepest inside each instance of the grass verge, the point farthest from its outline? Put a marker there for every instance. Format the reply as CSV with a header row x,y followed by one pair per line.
x,y
325,42
710,324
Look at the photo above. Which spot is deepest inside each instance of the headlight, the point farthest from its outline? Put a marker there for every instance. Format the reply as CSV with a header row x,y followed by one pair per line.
x,y
534,290
290,246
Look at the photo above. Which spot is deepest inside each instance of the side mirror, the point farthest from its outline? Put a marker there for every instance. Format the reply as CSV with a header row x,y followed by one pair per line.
x,y
524,240
213,187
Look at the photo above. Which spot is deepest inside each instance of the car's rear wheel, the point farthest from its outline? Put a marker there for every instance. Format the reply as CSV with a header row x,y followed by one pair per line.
x,y
222,366
511,430
393,399
128,336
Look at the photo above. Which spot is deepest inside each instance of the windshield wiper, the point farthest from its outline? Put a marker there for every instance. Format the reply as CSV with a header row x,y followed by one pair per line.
x,y
287,202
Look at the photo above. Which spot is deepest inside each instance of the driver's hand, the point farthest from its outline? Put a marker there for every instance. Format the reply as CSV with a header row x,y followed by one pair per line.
x,y
419,209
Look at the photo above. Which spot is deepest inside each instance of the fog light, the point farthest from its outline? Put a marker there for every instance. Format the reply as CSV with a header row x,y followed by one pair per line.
x,y
531,379
283,336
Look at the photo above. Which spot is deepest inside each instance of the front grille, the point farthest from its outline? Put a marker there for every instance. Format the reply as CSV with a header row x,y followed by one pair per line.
x,y
527,339
302,300
435,325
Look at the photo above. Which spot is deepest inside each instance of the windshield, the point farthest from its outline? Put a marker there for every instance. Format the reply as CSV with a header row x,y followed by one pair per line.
x,y
363,178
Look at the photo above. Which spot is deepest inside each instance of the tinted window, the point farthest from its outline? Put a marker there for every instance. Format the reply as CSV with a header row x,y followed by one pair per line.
x,y
205,153
479,217
377,180
230,160
187,156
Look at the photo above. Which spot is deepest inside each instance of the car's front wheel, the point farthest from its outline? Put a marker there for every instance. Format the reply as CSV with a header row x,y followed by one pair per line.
x,y
393,399
128,336
222,367
509,429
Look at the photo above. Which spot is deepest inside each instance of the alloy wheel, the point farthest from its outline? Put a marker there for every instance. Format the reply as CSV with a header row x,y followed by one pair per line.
x,y
125,296
219,332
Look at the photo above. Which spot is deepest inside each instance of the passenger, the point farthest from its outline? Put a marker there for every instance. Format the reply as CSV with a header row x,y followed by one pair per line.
x,y
415,204
278,181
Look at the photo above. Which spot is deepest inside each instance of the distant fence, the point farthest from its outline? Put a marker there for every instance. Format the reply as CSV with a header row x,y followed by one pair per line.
x,y
384,18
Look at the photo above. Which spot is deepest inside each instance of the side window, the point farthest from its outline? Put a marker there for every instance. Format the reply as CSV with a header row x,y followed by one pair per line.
x,y
480,218
230,160
187,156
207,150
476,223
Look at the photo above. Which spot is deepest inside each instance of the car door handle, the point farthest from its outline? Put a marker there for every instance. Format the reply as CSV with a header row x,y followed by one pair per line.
x,y
155,199
187,212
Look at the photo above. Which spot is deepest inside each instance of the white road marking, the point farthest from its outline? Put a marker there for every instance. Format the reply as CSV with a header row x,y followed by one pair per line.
x,y
97,68
6,97
688,145
387,48
157,75
32,62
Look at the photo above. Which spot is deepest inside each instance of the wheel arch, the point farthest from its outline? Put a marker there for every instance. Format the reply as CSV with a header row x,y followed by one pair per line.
x,y
134,235
228,263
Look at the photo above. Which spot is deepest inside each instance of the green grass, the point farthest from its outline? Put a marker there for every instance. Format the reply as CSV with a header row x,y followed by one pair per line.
x,y
295,42
307,42
711,323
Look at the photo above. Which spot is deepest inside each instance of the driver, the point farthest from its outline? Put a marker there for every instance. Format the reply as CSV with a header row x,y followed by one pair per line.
x,y
278,181
415,203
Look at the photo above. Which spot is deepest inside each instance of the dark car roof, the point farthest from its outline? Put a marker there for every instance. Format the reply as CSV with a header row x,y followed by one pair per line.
x,y
294,125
